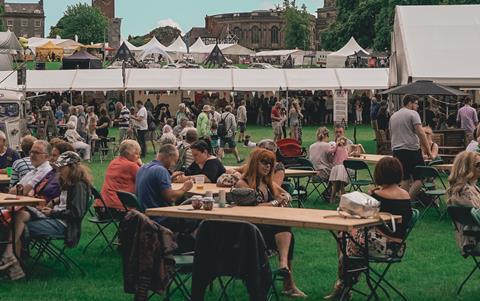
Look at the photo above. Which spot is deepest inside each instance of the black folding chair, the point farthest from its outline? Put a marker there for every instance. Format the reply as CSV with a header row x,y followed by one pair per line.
x,y
429,176
130,201
353,167
316,182
462,217
389,261
102,223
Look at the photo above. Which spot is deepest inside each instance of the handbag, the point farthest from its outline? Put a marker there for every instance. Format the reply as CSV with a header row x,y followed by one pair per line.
x,y
243,197
361,205
227,180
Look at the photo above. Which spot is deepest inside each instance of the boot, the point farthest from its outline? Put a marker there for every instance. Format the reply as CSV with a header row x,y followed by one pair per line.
x,y
336,294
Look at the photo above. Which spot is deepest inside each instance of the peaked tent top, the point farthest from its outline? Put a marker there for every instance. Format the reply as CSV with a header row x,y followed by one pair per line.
x,y
9,42
198,47
178,46
351,48
153,43
82,55
130,46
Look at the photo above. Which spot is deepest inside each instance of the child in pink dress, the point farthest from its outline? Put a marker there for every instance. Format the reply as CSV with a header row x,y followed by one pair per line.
x,y
338,175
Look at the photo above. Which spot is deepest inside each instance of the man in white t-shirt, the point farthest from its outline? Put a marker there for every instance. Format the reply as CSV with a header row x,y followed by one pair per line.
x,y
142,126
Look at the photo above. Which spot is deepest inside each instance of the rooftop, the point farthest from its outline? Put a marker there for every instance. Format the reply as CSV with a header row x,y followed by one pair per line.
x,y
27,8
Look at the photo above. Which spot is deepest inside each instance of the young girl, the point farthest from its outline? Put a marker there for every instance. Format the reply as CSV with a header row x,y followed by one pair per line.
x,y
214,138
338,175
358,112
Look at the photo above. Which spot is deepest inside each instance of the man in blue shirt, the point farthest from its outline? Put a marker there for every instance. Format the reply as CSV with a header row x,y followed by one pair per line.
x,y
154,183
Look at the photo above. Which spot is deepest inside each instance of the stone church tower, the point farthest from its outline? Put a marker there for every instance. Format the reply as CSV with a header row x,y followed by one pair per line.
x,y
325,17
107,7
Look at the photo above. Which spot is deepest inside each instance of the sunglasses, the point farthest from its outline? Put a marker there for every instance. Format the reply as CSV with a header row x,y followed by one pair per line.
x,y
266,162
477,165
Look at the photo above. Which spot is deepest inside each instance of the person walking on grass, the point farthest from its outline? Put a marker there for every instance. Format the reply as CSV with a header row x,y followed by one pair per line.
x,y
242,121
228,137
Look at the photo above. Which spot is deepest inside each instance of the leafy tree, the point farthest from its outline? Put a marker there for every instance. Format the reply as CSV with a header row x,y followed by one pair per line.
x,y
297,25
2,9
165,35
83,20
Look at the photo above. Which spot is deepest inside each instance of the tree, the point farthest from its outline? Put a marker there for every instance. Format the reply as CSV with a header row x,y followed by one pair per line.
x,y
83,20
297,25
165,35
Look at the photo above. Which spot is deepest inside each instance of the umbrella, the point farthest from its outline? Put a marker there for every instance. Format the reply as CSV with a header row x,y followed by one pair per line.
x,y
424,87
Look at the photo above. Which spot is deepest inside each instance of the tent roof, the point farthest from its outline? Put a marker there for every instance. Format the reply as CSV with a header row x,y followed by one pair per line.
x,y
178,46
235,49
81,55
153,43
350,48
199,79
38,80
283,52
259,79
49,45
154,50
363,78
311,79
131,47
153,79
441,43
9,42
98,80
199,47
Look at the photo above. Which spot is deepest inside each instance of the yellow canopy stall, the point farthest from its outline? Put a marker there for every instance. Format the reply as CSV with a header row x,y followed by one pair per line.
x,y
49,52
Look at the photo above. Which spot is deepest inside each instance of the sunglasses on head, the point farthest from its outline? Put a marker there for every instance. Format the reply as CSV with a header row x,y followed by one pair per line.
x,y
266,162
477,165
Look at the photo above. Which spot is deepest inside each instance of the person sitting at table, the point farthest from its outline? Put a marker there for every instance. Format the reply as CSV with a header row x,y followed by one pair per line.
x,y
59,148
77,141
153,185
7,155
321,154
120,176
473,145
23,165
259,176
393,199
433,146
204,164
464,191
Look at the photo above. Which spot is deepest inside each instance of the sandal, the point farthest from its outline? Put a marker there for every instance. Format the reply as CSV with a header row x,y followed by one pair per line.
x,y
6,262
294,293
284,272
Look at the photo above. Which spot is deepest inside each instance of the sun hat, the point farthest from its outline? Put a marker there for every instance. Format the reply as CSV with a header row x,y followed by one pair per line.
x,y
67,158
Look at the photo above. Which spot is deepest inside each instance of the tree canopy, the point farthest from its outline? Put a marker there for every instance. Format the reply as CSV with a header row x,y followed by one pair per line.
x,y
297,25
165,35
370,22
83,20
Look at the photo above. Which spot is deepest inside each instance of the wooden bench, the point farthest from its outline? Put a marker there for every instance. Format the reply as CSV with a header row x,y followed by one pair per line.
x,y
450,143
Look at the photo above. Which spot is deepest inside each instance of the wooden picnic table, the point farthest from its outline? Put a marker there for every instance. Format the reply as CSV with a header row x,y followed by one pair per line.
x,y
368,158
8,200
206,187
281,216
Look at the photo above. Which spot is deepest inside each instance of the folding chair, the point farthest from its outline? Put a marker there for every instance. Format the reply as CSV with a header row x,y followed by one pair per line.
x,y
427,174
225,242
356,166
389,261
462,217
314,181
129,201
102,223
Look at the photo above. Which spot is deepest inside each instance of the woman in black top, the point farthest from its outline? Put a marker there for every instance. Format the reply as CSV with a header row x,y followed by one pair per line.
x,y
382,241
259,176
102,129
203,164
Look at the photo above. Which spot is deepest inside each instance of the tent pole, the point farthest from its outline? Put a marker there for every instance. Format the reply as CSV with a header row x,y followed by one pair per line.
x,y
71,98
424,104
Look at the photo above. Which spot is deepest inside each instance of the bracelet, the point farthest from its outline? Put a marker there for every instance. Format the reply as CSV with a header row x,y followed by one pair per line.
x,y
274,203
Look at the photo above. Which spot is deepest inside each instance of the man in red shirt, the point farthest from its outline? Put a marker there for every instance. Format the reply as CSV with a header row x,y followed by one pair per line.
x,y
276,121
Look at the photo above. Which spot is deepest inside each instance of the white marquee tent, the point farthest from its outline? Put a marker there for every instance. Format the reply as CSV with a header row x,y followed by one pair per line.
x,y
152,43
199,47
337,59
439,43
9,45
200,79
152,48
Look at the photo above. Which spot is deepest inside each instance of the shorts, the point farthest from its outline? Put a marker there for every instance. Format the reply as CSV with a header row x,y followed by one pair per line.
x,y
277,129
409,159
227,140
242,126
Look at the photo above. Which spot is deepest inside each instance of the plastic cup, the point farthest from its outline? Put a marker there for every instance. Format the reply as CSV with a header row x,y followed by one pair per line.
x,y
208,204
9,171
200,181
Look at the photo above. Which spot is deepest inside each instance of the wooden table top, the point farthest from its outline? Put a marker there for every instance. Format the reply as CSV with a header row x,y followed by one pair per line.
x,y
7,200
292,217
206,187
369,158
289,172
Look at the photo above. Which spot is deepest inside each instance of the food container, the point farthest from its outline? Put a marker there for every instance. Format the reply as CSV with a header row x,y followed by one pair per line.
x,y
208,203
197,202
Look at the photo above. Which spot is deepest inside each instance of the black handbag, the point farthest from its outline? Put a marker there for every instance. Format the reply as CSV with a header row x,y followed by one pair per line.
x,y
243,197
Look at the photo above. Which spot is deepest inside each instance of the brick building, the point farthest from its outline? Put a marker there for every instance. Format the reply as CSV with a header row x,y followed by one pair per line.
x,y
325,17
107,7
24,19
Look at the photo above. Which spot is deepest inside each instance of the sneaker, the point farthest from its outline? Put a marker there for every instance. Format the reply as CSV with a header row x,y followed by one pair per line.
x,y
15,272
6,262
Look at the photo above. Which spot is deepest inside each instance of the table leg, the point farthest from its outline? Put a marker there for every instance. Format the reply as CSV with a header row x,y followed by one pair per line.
x,y
367,265
14,244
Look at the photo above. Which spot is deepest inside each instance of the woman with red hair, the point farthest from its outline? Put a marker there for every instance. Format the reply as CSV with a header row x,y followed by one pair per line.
x,y
259,177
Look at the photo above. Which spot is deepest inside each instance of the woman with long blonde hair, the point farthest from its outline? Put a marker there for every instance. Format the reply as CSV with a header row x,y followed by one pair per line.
x,y
259,177
295,116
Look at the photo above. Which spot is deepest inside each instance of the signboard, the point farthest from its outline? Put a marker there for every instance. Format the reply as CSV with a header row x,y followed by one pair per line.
x,y
340,106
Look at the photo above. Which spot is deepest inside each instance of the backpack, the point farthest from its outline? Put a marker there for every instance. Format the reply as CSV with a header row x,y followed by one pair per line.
x,y
182,156
222,127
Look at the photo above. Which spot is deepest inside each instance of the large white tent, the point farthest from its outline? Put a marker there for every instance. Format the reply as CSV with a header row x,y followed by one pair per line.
x,y
152,43
153,48
9,45
200,79
178,46
439,43
337,59
199,47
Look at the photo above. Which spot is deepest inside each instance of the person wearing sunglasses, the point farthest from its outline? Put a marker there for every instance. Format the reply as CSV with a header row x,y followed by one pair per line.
x,y
433,146
259,177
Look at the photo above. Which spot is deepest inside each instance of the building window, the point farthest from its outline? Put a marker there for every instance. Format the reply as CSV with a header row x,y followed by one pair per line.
x,y
274,35
9,22
24,22
237,31
256,35
38,23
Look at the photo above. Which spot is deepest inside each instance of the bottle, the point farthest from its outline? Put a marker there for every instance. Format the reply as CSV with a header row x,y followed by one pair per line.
x,y
222,198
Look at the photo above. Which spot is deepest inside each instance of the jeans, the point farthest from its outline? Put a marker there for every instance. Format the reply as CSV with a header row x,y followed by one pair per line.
x,y
141,140
123,132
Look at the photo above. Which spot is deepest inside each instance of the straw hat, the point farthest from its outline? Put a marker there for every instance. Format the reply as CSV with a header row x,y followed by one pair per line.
x,y
206,108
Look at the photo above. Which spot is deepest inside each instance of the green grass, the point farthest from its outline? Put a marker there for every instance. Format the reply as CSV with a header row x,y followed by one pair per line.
x,y
432,267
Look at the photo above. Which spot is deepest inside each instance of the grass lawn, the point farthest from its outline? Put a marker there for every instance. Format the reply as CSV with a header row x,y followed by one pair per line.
x,y
432,268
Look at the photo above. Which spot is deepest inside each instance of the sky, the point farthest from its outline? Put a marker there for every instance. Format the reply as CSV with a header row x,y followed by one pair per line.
x,y
141,16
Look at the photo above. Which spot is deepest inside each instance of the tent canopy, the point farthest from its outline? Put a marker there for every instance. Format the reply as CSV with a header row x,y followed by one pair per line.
x,y
37,80
98,80
285,52
199,47
439,43
82,60
131,47
153,43
311,79
9,43
259,79
178,46
362,78
337,59
199,79
153,79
